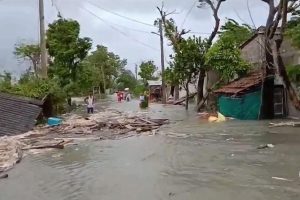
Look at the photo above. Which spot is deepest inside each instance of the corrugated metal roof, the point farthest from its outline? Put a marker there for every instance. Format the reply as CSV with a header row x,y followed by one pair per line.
x,y
243,84
17,114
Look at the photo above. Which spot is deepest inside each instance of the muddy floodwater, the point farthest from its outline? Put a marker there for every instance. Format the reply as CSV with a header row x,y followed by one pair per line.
x,y
189,160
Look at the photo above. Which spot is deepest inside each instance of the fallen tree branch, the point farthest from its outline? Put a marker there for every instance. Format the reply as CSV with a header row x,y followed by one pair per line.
x,y
59,145
283,124
180,101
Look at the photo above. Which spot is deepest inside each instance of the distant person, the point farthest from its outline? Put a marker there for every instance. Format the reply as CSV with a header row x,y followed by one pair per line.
x,y
142,97
128,97
90,101
119,96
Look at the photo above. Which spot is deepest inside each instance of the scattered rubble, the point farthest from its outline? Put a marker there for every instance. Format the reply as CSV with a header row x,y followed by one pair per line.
x,y
10,153
110,124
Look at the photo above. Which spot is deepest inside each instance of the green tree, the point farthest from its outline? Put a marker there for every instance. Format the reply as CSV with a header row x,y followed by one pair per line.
x,y
234,32
186,62
30,52
66,49
188,57
5,81
147,70
293,29
104,67
293,33
126,80
225,58
34,87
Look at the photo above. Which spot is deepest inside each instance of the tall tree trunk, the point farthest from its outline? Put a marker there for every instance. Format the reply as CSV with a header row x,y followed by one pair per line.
x,y
282,72
267,106
200,89
176,92
35,67
187,96
172,91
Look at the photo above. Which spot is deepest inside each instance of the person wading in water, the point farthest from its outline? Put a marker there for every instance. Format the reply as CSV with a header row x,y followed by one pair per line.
x,y
90,101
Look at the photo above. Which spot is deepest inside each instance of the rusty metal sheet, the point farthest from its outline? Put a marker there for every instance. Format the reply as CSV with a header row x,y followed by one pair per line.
x,y
251,80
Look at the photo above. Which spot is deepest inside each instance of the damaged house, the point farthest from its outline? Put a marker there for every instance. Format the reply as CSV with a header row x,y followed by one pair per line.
x,y
241,98
19,114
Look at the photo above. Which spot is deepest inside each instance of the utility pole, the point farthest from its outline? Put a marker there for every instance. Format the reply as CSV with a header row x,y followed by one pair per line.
x,y
164,99
43,40
136,71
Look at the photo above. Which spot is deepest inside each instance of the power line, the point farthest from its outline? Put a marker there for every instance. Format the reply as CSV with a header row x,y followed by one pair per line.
x,y
200,33
54,3
188,13
129,28
122,16
119,31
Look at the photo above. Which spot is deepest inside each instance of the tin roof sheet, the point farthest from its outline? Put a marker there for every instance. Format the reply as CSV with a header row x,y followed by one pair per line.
x,y
243,84
17,114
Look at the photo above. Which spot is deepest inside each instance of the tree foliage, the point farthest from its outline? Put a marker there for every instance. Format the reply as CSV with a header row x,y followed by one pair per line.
x,y
103,67
126,80
147,70
34,87
5,81
234,32
225,58
294,73
293,29
66,49
30,52
188,59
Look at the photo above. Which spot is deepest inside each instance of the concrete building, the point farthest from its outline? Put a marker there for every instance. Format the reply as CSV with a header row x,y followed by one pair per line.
x,y
253,50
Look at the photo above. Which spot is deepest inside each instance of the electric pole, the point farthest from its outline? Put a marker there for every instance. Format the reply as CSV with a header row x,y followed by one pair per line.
x,y
136,71
164,99
43,40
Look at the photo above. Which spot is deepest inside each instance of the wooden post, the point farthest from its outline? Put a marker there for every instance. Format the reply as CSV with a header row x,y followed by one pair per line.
x,y
44,69
162,62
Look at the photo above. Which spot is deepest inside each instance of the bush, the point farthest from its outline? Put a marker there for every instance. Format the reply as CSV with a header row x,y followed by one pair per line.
x,y
36,88
294,73
138,90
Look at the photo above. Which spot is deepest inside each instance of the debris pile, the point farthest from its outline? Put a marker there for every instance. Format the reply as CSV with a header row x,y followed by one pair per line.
x,y
10,153
110,124
111,121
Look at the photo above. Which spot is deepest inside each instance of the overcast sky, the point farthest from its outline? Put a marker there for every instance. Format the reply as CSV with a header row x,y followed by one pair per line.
x,y
129,39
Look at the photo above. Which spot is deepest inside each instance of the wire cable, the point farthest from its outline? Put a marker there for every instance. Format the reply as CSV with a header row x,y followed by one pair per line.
x,y
119,15
54,4
118,30
188,13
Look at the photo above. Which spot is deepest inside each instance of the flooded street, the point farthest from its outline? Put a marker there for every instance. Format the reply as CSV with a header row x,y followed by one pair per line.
x,y
189,160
